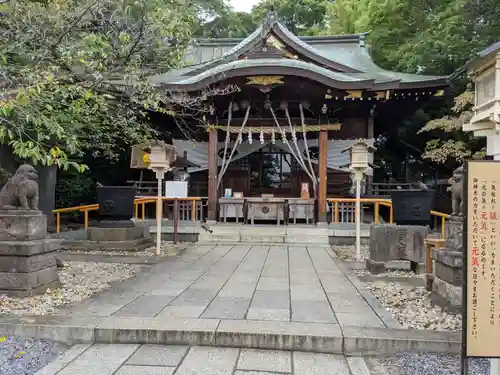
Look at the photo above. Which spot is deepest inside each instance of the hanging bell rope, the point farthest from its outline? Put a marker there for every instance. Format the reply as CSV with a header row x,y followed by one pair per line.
x,y
228,133
302,120
288,143
294,138
236,143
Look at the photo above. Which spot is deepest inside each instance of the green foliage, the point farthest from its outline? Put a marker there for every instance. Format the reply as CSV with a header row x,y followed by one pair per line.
x,y
305,17
433,37
450,142
72,74
75,189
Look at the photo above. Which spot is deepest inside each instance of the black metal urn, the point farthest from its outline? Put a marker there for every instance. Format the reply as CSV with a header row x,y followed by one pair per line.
x,y
412,206
116,206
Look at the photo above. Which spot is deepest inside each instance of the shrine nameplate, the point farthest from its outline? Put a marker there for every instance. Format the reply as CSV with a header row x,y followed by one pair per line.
x,y
482,255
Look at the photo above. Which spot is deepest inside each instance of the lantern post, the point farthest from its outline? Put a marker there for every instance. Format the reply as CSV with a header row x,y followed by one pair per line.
x,y
160,160
359,154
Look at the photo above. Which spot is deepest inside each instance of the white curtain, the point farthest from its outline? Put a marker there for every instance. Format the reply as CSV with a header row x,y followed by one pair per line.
x,y
197,152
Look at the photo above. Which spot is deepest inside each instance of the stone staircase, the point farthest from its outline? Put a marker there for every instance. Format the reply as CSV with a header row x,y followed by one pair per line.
x,y
265,234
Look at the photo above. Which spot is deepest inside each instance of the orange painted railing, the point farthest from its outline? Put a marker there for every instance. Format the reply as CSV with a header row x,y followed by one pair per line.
x,y
139,203
376,202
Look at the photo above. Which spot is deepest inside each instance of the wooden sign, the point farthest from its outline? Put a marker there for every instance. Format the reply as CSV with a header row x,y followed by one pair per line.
x,y
304,190
482,259
139,158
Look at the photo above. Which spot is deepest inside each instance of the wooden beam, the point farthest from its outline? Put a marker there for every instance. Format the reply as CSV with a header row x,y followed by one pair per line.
x,y
323,149
268,129
212,175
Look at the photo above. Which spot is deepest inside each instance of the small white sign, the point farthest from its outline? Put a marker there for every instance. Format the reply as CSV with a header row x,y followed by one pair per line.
x,y
176,189
228,193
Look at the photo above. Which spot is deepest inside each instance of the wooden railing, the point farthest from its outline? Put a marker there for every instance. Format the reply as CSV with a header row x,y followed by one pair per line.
x,y
190,208
343,210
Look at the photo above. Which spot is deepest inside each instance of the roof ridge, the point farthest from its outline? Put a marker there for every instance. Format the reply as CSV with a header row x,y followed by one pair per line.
x,y
341,38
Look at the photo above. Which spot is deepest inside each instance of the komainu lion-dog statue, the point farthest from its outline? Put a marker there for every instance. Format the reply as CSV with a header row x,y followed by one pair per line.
x,y
456,181
21,190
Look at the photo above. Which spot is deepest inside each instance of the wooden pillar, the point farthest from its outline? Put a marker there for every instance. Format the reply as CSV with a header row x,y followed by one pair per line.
x,y
212,175
323,149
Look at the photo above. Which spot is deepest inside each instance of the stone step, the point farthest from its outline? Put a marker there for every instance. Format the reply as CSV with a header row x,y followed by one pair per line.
x,y
311,337
263,239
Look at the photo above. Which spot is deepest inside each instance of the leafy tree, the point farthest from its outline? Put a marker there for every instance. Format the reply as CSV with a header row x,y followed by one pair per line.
x,y
302,17
227,24
451,144
73,74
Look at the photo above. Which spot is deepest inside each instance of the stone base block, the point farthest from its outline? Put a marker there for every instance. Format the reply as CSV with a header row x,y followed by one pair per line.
x,y
22,264
29,248
136,232
398,242
129,245
29,283
453,233
448,266
374,267
451,293
22,225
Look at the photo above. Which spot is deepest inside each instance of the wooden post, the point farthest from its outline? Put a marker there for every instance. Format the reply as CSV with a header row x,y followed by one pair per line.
x,y
212,175
323,149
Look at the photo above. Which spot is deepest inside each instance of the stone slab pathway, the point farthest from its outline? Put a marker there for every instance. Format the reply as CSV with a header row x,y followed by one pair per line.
x,y
243,282
101,359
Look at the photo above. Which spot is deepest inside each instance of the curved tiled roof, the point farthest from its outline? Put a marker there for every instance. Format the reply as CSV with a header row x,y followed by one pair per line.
x,y
338,61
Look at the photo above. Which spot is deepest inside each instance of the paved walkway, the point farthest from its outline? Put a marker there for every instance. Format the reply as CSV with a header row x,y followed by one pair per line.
x,y
185,360
242,282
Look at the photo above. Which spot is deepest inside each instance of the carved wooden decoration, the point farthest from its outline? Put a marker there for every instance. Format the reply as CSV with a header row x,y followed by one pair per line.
x,y
265,80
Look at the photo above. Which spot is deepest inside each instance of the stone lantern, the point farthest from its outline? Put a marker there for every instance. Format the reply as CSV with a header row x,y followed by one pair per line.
x,y
359,155
161,158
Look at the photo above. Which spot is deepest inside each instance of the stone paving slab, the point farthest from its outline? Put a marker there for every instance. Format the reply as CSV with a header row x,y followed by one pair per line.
x,y
184,360
268,297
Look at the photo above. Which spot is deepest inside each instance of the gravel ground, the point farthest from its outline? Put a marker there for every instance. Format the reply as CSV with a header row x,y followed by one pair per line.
x,y
413,308
425,364
25,357
167,249
407,274
349,252
79,280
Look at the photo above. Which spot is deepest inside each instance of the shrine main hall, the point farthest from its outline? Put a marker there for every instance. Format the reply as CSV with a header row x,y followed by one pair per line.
x,y
273,146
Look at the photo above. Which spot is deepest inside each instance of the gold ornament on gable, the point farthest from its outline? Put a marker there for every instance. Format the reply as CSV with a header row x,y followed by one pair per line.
x,y
265,80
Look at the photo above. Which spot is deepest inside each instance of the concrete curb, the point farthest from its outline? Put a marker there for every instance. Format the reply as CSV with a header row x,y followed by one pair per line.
x,y
311,337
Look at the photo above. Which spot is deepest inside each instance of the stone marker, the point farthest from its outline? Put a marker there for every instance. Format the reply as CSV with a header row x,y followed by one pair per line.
x,y
396,242
27,257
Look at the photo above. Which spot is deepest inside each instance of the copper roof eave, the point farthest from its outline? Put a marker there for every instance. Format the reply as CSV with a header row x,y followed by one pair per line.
x,y
440,82
367,84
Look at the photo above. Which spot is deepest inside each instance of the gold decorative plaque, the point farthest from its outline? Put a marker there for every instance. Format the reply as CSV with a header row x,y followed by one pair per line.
x,y
265,80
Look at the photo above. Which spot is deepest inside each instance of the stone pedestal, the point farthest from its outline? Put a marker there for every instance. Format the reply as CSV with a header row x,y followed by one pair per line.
x,y
396,242
135,238
27,256
446,279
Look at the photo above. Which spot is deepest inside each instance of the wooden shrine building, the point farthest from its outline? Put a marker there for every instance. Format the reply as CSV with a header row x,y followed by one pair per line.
x,y
292,105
